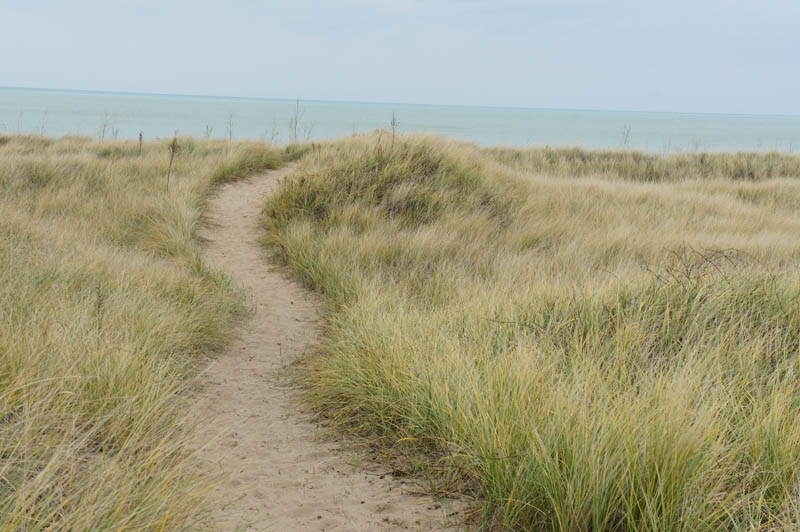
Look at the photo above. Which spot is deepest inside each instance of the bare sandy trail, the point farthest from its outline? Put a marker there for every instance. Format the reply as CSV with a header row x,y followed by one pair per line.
x,y
280,474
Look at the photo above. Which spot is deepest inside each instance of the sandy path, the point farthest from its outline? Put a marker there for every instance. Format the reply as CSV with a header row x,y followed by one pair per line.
x,y
280,474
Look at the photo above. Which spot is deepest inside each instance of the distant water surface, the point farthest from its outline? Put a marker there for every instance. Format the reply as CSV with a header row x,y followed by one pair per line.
x,y
124,115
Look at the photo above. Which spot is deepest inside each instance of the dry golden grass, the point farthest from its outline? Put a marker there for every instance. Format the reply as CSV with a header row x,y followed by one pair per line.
x,y
588,341
105,306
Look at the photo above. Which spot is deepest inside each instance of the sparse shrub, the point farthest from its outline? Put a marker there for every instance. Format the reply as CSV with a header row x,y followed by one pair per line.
x,y
173,150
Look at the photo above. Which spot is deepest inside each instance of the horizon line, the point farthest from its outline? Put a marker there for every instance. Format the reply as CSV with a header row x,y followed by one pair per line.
x,y
408,104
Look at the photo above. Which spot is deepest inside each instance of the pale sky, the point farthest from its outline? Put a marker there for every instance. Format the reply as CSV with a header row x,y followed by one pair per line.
x,y
666,55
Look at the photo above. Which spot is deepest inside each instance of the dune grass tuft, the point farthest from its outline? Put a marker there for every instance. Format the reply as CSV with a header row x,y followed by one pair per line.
x,y
105,309
584,340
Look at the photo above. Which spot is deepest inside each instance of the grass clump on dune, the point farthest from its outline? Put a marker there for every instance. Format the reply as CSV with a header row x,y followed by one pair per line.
x,y
583,345
105,306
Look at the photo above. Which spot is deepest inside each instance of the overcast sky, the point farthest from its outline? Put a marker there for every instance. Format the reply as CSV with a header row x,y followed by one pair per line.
x,y
670,55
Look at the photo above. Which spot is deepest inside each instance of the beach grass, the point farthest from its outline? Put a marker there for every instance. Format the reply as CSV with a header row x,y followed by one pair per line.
x,y
106,310
578,340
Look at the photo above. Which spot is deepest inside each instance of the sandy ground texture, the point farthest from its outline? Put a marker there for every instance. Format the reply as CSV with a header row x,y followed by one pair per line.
x,y
280,473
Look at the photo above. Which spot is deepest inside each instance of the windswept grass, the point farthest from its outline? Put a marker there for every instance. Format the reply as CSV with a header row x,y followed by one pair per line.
x,y
586,340
639,166
105,306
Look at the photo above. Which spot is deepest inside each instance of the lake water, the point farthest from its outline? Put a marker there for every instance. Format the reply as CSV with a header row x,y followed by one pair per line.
x,y
124,115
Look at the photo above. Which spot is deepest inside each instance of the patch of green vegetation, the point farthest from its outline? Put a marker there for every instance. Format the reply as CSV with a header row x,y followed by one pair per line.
x,y
615,352
105,308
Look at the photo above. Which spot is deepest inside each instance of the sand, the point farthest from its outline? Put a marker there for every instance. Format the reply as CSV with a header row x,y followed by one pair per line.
x,y
281,471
